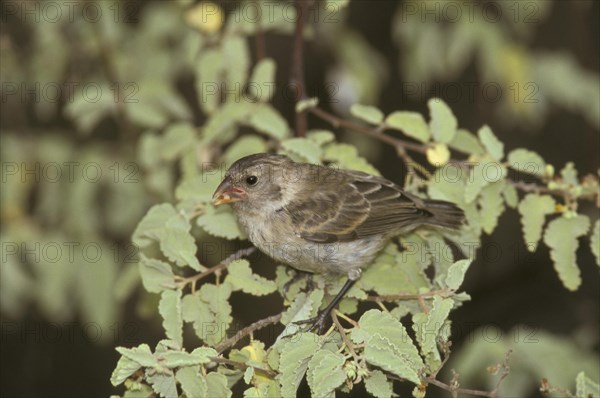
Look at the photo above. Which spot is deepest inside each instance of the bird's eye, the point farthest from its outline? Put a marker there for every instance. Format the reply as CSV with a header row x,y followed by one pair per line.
x,y
251,180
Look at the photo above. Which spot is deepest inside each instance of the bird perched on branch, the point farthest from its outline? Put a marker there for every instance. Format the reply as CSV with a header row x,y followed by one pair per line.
x,y
324,220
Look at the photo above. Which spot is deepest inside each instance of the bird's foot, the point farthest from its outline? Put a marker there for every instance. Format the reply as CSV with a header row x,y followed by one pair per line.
x,y
317,323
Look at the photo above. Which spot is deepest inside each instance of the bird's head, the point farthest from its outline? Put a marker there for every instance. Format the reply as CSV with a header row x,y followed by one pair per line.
x,y
255,181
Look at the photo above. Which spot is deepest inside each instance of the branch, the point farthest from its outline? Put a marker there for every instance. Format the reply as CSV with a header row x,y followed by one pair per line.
x,y
241,365
230,342
409,296
182,282
302,9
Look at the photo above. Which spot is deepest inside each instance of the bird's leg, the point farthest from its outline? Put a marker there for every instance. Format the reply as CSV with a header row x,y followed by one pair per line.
x,y
297,276
318,322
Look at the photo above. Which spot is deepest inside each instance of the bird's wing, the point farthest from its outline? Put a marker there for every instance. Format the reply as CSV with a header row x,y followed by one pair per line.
x,y
356,205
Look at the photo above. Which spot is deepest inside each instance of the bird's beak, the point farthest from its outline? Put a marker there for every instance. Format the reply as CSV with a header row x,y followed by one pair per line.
x,y
226,193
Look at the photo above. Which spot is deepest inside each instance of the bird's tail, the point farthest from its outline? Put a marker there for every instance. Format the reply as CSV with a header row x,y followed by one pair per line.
x,y
444,214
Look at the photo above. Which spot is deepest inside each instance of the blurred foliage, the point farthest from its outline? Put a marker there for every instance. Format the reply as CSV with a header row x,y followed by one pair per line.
x,y
165,156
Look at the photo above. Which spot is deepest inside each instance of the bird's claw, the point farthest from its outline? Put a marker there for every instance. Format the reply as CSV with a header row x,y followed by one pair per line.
x,y
317,323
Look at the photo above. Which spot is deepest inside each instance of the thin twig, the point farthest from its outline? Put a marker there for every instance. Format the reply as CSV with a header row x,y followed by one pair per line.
x,y
345,339
182,282
302,8
241,365
230,342
410,296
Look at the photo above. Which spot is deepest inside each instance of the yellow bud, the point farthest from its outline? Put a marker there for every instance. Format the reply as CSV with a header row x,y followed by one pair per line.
x,y
207,17
438,155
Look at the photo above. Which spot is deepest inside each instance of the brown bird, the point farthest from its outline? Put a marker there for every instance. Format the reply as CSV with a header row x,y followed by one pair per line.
x,y
324,220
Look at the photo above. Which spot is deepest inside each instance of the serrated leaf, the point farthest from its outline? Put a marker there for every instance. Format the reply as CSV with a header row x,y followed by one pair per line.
x,y
388,345
456,274
526,161
217,298
410,123
217,385
265,119
240,276
438,154
325,373
369,114
178,138
236,58
197,311
569,174
430,329
224,119
533,209
156,275
177,244
192,382
293,361
443,124
586,387
125,368
262,81
199,189
307,149
175,359
595,241
140,354
561,236
492,205
152,222
346,156
169,308
304,307
510,196
483,173
163,384
466,142
221,223
320,137
378,385
492,145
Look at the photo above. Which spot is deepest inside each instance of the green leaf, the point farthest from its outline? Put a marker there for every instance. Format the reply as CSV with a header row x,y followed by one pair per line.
x,y
169,308
152,222
388,345
410,123
492,145
178,138
156,275
561,236
177,244
163,384
510,196
304,307
483,173
140,354
262,81
236,59
595,241
367,113
321,137
208,79
199,189
492,205
456,274
443,124
224,119
325,373
466,142
175,359
244,146
192,381
586,387
125,368
569,174
429,331
217,385
221,223
265,119
293,361
533,209
217,298
378,385
526,161
346,156
240,276
309,150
